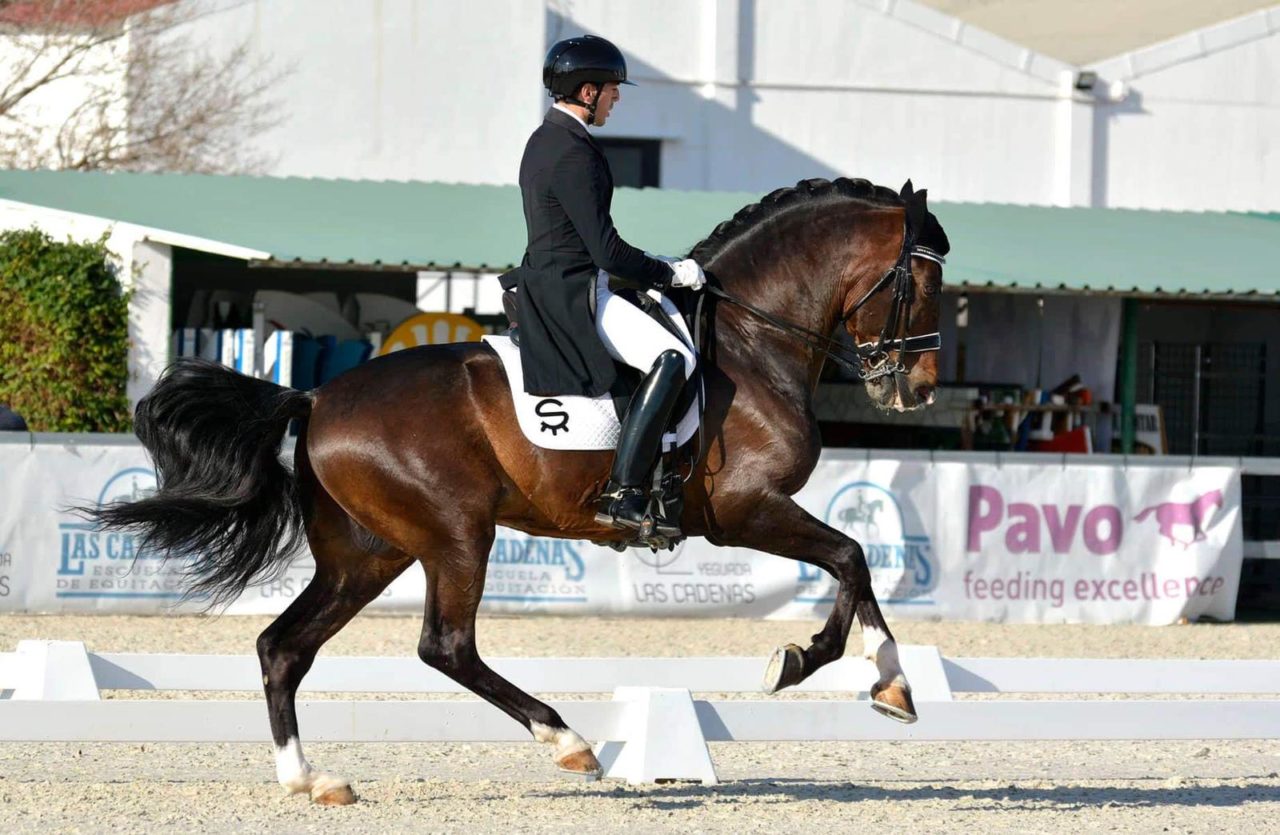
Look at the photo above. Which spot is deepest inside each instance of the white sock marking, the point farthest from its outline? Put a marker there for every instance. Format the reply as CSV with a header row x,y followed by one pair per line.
x,y
566,742
878,647
292,769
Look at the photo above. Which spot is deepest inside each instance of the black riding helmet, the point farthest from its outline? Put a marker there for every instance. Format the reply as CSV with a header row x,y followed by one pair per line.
x,y
585,60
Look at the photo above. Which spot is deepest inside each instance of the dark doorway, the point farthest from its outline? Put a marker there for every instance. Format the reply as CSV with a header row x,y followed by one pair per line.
x,y
635,163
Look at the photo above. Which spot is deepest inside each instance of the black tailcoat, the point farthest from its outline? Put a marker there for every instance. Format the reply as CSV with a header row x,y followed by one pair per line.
x,y
567,190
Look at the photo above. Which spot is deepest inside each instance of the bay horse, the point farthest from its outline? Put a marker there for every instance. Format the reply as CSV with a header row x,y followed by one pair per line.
x,y
417,455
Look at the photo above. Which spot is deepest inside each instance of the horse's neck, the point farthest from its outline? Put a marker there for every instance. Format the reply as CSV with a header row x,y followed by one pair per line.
x,y
790,364
783,283
781,288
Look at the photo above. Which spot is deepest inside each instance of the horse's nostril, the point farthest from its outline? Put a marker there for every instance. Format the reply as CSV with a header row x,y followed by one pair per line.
x,y
924,393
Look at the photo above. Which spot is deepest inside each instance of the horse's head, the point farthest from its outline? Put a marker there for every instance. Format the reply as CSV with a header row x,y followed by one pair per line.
x,y
1212,498
894,318
823,252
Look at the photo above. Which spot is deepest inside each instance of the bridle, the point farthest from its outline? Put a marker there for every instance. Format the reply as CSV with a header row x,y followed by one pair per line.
x,y
874,356
869,360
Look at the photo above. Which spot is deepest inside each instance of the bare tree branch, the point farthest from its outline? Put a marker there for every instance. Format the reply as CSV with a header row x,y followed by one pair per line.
x,y
63,65
79,91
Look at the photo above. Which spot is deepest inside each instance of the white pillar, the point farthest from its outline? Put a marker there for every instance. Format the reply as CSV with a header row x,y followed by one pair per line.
x,y
718,26
726,67
1073,144
150,277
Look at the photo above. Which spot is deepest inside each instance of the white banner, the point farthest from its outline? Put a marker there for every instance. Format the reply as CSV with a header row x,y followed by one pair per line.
x,y
1044,543
967,539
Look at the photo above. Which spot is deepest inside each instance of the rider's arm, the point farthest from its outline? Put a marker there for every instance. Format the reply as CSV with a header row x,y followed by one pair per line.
x,y
581,188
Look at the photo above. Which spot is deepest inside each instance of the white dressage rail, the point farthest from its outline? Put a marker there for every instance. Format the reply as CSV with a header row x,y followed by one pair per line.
x,y
652,728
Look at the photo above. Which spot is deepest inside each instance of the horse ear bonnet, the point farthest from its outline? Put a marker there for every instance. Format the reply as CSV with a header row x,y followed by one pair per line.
x,y
917,212
923,223
932,234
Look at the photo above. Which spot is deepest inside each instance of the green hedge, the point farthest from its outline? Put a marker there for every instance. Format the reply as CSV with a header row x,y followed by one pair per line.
x,y
63,334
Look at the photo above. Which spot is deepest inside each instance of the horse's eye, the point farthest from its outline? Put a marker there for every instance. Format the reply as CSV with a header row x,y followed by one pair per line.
x,y
932,289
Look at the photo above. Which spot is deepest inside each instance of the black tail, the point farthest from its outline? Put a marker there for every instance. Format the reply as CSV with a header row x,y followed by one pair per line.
x,y
226,504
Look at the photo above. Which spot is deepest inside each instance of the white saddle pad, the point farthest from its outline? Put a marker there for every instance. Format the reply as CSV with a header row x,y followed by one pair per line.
x,y
570,422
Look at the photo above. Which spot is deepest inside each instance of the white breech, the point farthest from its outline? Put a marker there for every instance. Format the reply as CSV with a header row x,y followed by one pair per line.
x,y
631,336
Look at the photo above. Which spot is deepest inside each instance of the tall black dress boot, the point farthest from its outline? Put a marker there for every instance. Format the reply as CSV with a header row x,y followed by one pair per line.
x,y
625,500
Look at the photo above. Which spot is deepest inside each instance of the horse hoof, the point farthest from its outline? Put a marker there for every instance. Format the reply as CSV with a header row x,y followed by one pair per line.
x,y
580,762
332,791
894,701
785,668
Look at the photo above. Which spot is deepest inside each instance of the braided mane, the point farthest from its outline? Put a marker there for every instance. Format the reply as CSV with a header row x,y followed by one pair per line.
x,y
780,202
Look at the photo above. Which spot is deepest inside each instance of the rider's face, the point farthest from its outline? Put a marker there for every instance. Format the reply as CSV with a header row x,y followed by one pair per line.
x,y
609,96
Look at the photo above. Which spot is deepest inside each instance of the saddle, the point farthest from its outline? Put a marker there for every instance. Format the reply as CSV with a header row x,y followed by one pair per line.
x,y
592,423
566,422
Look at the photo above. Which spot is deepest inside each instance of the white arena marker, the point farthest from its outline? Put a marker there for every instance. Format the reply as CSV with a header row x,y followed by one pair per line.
x,y
664,741
54,671
653,730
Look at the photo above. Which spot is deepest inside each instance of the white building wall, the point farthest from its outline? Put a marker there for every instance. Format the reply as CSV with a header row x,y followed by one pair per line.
x,y
1201,129
755,94
746,94
393,89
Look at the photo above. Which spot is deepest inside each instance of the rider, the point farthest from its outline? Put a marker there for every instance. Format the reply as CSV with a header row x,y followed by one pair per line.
x,y
572,327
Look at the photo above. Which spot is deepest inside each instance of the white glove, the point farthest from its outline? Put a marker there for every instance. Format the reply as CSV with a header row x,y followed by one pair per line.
x,y
688,274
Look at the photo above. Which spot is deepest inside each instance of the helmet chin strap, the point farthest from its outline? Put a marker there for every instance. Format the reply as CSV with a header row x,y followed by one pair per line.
x,y
590,106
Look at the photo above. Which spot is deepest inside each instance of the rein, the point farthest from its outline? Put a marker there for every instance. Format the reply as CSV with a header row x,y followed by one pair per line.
x,y
899,276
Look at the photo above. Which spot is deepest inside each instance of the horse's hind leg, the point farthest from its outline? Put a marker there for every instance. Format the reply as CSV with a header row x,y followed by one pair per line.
x,y
455,583
287,649
350,572
780,526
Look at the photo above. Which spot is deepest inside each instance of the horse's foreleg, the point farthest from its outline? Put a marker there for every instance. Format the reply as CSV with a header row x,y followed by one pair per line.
x,y
891,695
780,526
448,644
286,651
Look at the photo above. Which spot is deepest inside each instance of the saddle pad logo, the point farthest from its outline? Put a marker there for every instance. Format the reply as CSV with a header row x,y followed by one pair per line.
x,y
552,410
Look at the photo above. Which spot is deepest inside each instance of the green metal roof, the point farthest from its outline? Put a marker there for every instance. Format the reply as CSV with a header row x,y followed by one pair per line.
x,y
439,225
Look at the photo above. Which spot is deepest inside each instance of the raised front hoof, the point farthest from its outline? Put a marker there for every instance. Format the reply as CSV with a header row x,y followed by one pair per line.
x,y
332,791
894,701
785,668
583,763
